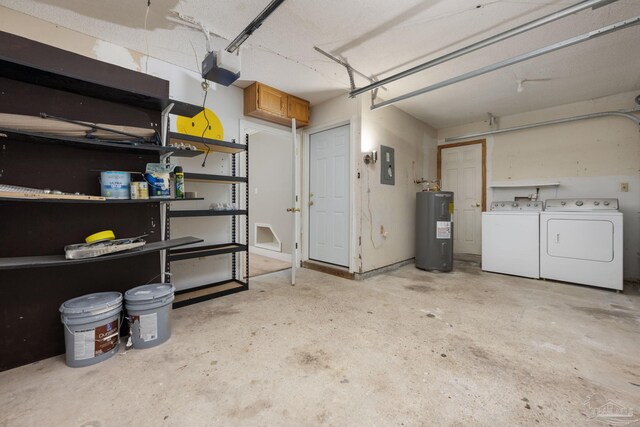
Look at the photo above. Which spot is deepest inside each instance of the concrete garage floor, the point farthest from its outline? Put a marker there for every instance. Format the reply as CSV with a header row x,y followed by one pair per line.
x,y
259,265
404,348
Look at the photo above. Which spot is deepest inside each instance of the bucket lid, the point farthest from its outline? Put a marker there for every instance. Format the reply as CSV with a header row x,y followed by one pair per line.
x,y
91,302
149,292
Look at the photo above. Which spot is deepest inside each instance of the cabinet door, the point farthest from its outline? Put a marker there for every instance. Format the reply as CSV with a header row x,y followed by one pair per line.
x,y
298,109
272,100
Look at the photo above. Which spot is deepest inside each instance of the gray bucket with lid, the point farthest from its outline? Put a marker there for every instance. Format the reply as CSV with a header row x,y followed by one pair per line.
x,y
149,313
91,327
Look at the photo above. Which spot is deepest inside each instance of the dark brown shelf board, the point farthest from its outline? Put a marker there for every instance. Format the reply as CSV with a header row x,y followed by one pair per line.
x,y
204,144
205,250
214,179
141,148
96,202
59,260
198,294
205,212
62,80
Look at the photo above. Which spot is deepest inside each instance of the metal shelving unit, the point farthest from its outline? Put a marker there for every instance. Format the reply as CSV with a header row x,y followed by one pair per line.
x,y
239,280
59,260
205,212
35,275
97,144
214,179
67,80
94,202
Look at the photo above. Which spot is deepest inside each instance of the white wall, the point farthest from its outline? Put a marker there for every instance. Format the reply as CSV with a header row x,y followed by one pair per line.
x,y
392,207
185,86
271,187
589,158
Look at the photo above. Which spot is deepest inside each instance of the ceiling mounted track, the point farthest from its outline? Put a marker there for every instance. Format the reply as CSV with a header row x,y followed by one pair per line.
x,y
350,70
253,26
486,42
516,59
627,114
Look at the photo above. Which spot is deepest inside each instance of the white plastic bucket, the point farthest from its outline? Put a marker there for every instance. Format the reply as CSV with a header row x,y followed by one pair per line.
x,y
115,184
149,313
91,327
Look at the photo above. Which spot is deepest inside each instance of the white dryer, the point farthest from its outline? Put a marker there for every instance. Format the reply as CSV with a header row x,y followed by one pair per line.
x,y
511,238
581,242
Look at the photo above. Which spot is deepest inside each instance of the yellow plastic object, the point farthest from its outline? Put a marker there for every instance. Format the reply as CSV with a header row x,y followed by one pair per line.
x,y
197,124
102,235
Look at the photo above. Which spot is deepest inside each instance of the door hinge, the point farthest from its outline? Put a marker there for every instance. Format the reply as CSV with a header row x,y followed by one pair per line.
x,y
296,246
359,240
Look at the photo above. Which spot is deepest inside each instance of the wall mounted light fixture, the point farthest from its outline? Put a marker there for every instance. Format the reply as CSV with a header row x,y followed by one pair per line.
x,y
371,157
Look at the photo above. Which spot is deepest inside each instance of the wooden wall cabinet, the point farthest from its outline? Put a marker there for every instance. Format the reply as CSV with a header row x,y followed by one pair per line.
x,y
273,105
298,109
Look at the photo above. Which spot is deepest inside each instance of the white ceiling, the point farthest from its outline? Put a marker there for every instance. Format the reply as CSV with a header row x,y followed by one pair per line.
x,y
380,38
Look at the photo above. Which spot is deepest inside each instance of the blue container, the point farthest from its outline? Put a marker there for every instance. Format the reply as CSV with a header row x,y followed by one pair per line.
x,y
158,184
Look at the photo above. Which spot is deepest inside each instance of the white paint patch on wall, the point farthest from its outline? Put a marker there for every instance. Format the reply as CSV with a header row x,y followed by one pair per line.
x,y
597,147
114,54
27,26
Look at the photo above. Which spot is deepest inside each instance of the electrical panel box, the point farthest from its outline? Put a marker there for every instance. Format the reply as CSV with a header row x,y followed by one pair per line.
x,y
387,165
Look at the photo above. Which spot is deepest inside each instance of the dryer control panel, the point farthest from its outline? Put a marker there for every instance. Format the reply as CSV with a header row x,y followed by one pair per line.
x,y
536,206
579,205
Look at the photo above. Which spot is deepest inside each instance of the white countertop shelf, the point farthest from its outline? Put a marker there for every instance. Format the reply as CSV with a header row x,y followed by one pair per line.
x,y
523,184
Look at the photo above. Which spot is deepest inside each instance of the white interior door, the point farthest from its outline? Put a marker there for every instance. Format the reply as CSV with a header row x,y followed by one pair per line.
x,y
329,196
461,172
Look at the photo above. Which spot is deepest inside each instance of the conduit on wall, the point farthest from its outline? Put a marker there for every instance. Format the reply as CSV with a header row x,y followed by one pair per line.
x,y
626,114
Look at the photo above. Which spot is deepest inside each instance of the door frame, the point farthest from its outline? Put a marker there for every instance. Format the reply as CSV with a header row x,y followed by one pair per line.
x,y
306,153
279,130
484,164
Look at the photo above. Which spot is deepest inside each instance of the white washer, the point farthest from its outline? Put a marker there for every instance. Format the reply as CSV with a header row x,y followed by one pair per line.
x,y
581,242
511,238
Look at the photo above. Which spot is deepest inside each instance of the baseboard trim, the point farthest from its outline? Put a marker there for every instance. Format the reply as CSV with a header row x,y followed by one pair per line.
x,y
270,254
385,269
328,269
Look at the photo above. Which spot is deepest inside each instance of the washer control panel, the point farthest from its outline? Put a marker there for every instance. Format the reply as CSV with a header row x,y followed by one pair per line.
x,y
532,205
581,204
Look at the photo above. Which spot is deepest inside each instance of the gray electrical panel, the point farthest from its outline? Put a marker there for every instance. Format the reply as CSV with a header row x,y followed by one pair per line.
x,y
387,165
434,230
